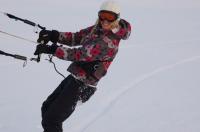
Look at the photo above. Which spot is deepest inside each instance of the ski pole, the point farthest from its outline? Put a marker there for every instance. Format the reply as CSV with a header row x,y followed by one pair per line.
x,y
19,57
23,20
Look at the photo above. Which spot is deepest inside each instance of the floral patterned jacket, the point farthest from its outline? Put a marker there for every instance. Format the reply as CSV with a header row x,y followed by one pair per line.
x,y
91,50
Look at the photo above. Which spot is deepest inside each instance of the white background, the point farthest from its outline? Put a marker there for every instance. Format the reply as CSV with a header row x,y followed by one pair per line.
x,y
152,85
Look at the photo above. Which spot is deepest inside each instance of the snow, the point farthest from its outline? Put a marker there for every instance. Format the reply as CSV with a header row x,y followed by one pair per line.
x,y
153,84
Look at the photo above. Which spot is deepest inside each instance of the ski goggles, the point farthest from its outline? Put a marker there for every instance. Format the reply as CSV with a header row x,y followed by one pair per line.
x,y
107,15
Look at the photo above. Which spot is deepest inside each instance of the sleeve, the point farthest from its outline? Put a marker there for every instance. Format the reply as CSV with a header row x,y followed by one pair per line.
x,y
103,50
125,30
73,39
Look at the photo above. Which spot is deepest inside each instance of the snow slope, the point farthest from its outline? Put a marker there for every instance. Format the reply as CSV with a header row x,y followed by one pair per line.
x,y
153,84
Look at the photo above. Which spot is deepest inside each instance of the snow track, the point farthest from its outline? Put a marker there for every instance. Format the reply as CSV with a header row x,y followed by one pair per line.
x,y
116,96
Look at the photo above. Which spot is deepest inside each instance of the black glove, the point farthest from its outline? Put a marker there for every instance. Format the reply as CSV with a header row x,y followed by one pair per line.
x,y
47,49
46,35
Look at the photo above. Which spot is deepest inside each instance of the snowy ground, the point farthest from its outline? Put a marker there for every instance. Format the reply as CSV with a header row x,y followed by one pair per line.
x,y
153,84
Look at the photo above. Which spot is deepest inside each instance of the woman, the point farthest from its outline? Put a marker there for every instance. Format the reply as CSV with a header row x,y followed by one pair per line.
x,y
98,46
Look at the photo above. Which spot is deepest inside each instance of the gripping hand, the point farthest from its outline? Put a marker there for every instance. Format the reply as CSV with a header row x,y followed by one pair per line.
x,y
46,35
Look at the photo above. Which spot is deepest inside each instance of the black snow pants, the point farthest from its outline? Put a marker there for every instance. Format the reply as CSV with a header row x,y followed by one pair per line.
x,y
61,104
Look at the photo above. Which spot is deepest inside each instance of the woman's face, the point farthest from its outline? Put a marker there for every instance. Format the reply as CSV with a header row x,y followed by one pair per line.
x,y
105,24
106,19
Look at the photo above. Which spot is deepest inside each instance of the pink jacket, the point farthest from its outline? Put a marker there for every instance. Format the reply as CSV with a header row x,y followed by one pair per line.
x,y
95,51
